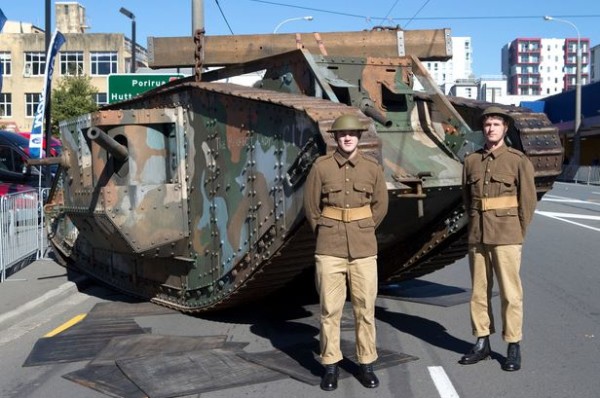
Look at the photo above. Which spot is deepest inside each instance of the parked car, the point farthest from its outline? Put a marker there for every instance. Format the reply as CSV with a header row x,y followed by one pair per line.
x,y
14,152
55,143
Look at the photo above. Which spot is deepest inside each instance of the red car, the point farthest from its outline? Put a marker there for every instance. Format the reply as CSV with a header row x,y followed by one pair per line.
x,y
55,144
8,188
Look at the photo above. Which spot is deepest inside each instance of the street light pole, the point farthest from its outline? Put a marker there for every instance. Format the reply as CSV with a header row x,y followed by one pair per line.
x,y
306,18
131,16
576,159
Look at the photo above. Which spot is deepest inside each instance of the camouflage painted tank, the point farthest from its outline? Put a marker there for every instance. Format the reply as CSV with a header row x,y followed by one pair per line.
x,y
191,194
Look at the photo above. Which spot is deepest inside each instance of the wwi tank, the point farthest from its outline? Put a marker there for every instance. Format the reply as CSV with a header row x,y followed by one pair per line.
x,y
190,195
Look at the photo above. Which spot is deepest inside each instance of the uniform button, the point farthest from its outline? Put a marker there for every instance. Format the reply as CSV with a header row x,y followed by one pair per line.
x,y
487,182
488,170
347,167
347,192
485,194
347,205
347,179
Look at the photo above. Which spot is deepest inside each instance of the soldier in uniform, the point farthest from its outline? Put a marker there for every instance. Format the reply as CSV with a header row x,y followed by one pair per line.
x,y
500,198
345,199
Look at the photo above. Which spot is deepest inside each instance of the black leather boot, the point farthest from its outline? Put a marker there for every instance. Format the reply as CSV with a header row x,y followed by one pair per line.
x,y
329,382
480,351
367,377
513,358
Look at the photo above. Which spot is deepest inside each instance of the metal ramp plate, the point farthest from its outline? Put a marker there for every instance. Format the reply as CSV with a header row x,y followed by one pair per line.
x,y
107,379
103,374
301,361
193,372
81,342
120,309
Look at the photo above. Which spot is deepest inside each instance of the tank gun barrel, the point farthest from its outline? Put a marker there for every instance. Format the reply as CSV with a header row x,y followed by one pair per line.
x,y
60,160
118,151
367,106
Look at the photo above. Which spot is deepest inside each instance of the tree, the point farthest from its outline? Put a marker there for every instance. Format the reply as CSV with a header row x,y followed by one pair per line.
x,y
73,97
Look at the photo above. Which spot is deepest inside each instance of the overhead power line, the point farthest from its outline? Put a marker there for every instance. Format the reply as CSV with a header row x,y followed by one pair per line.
x,y
224,17
414,18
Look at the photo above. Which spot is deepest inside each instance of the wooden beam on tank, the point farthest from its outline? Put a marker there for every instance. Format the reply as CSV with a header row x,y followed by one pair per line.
x,y
172,52
437,95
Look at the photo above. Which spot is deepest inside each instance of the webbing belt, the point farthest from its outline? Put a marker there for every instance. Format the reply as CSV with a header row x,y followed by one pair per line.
x,y
501,202
347,215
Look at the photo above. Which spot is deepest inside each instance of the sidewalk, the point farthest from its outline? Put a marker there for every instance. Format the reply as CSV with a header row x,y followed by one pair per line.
x,y
41,282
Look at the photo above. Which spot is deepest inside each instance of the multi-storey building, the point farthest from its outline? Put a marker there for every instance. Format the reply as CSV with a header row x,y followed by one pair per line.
x,y
23,61
595,67
446,73
540,66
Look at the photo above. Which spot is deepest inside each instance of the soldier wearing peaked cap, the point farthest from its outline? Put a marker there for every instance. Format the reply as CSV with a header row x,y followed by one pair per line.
x,y
500,198
345,199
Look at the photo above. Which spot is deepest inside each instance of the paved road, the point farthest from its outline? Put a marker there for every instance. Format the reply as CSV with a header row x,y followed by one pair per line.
x,y
561,347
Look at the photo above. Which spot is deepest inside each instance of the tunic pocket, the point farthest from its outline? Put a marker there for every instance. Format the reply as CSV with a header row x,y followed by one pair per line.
x,y
506,182
365,191
509,212
326,222
332,193
366,223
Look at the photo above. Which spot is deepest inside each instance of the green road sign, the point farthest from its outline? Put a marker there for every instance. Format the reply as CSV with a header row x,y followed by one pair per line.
x,y
124,86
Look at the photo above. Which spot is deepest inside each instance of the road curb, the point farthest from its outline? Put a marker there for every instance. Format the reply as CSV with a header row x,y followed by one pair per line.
x,y
55,295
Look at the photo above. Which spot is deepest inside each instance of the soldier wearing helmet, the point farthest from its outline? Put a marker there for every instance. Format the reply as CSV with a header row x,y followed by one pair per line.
x,y
345,199
500,198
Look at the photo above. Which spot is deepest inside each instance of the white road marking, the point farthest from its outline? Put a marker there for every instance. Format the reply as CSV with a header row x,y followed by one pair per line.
x,y
565,216
562,199
442,382
568,215
31,323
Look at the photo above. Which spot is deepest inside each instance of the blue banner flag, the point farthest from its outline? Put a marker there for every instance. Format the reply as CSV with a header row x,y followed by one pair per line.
x,y
2,19
36,138
2,22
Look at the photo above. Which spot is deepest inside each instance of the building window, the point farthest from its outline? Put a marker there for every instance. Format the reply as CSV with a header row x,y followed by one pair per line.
x,y
103,63
5,63
35,64
31,103
71,63
6,105
101,99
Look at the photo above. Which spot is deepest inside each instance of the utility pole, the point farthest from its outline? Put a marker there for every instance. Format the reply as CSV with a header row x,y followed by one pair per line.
x,y
47,105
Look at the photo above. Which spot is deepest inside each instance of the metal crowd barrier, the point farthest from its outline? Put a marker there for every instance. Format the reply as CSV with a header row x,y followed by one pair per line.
x,y
20,229
589,175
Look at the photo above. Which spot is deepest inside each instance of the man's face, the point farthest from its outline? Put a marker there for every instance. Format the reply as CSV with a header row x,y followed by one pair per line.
x,y
494,130
347,140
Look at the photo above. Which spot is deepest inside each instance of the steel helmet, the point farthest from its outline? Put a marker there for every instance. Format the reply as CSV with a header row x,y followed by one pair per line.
x,y
496,111
347,122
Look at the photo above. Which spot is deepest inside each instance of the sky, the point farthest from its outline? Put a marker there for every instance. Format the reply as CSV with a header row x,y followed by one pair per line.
x,y
490,24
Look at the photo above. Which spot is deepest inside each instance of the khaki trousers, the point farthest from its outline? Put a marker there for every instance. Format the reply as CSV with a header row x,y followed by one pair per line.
x,y
333,274
505,262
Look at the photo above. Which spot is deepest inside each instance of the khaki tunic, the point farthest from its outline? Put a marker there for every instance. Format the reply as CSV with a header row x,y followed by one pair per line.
x,y
489,174
345,183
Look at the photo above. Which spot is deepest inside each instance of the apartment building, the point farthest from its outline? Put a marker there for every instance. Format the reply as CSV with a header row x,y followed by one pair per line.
x,y
23,60
544,66
446,73
595,67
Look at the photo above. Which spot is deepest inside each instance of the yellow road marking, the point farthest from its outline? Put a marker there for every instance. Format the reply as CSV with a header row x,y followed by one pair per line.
x,y
66,325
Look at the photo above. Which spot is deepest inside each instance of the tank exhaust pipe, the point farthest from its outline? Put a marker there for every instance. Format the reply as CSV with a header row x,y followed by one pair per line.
x,y
367,106
119,152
